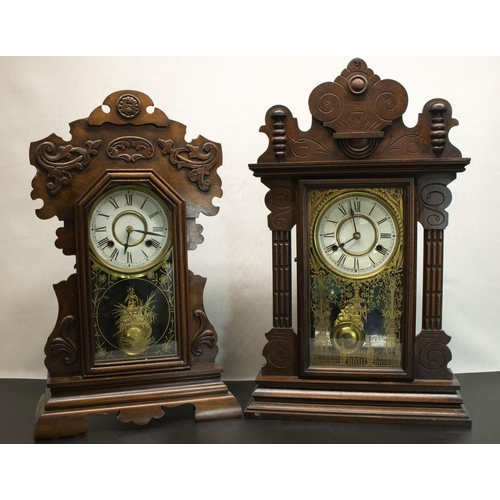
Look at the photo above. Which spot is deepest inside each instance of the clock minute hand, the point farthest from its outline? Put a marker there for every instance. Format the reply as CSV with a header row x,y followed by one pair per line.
x,y
148,232
353,219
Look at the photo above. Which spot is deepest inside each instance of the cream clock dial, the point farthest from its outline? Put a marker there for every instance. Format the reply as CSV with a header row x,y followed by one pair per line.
x,y
129,229
356,235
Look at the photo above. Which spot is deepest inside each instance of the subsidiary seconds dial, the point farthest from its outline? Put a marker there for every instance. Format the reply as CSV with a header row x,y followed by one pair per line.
x,y
129,229
357,235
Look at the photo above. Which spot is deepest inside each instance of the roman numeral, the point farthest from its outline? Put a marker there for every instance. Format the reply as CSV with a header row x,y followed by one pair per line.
x,y
342,209
381,221
341,260
113,202
386,235
128,199
158,229
104,215
100,229
356,264
145,255
382,249
154,214
155,243
357,205
129,258
103,243
114,254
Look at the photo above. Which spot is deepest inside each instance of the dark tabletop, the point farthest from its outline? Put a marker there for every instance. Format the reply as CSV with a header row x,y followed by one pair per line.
x,y
481,393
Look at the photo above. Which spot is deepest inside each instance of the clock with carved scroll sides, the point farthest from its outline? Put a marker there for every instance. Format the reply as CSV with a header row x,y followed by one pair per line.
x,y
132,337
354,188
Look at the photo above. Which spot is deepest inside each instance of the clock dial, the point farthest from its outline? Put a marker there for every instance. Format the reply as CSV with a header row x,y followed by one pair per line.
x,y
356,235
129,229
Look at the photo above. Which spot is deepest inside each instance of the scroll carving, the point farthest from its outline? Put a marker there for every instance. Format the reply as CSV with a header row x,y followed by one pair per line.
x,y
58,162
435,197
63,345
198,159
130,149
280,353
358,106
204,336
432,355
280,201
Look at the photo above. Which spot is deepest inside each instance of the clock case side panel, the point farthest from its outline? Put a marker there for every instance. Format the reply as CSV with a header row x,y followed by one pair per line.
x,y
405,371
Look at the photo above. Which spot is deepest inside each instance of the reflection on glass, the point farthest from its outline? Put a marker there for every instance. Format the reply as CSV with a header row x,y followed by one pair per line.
x,y
133,318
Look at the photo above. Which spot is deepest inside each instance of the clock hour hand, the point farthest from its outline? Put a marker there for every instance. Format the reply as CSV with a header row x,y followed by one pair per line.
x,y
129,230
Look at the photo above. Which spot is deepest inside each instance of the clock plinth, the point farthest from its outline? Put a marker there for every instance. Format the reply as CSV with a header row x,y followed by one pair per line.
x,y
415,402
132,336
355,186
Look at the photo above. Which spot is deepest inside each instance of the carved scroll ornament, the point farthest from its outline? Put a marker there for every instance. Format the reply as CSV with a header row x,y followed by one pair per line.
x,y
198,159
58,162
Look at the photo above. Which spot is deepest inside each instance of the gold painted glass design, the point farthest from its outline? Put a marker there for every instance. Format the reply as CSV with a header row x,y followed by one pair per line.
x,y
133,318
356,273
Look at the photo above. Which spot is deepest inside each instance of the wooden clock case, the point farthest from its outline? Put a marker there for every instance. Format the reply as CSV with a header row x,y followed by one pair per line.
x,y
357,138
127,141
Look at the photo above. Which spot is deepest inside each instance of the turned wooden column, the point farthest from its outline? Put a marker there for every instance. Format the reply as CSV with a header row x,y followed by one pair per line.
x,y
281,349
282,279
431,350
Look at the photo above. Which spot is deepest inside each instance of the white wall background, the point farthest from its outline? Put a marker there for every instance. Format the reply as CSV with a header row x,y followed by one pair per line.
x,y
225,99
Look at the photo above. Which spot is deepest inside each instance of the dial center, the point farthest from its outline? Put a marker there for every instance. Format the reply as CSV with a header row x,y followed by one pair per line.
x,y
362,240
125,225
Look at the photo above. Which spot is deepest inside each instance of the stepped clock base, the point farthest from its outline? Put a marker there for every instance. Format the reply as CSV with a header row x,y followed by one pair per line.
x,y
64,416
419,402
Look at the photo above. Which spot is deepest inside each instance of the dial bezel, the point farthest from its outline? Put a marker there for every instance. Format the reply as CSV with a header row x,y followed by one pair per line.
x,y
375,248
156,258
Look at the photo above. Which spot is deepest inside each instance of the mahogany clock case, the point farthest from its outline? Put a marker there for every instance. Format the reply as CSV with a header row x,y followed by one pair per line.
x,y
132,336
337,366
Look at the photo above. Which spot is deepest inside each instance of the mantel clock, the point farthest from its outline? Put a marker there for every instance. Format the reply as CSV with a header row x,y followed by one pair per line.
x,y
355,186
132,336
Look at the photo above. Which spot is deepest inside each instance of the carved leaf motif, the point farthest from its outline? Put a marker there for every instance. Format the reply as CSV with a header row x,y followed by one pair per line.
x,y
200,160
58,162
63,345
203,336
130,149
